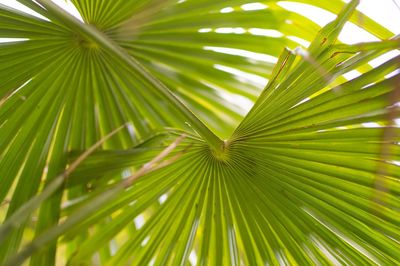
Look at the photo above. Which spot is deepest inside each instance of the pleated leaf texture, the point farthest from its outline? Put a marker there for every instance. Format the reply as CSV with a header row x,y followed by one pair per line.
x,y
142,133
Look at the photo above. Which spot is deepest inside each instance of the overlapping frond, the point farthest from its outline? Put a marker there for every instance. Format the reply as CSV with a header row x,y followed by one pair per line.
x,y
301,180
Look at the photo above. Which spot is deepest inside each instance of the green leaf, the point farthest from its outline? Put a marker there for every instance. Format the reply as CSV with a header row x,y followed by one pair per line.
x,y
308,175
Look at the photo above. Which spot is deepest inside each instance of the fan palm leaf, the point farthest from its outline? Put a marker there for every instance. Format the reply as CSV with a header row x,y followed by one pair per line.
x,y
298,179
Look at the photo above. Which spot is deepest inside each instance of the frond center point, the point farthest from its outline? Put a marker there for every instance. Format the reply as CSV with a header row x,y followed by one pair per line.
x,y
222,154
85,43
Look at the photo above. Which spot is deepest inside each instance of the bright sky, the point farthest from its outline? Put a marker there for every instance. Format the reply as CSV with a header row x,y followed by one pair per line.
x,y
386,12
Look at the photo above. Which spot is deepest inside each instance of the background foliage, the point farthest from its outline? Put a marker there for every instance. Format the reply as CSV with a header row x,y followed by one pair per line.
x,y
298,179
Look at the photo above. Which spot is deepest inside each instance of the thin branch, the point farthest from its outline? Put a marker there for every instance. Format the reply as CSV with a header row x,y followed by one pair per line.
x,y
150,166
396,4
89,151
20,215
89,208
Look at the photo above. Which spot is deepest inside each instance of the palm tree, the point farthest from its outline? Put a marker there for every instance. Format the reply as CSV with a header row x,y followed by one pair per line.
x,y
120,143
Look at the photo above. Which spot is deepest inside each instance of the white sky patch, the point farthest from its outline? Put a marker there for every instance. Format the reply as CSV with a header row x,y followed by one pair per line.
x,y
302,101
162,198
397,71
69,7
244,103
204,30
371,124
243,76
351,34
145,241
384,12
113,247
139,221
4,40
230,30
126,173
227,10
383,58
153,260
396,163
299,41
131,130
352,74
244,53
265,32
253,6
302,52
193,257
318,15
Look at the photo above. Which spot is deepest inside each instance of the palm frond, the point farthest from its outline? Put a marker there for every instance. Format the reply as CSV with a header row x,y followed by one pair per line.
x,y
299,179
